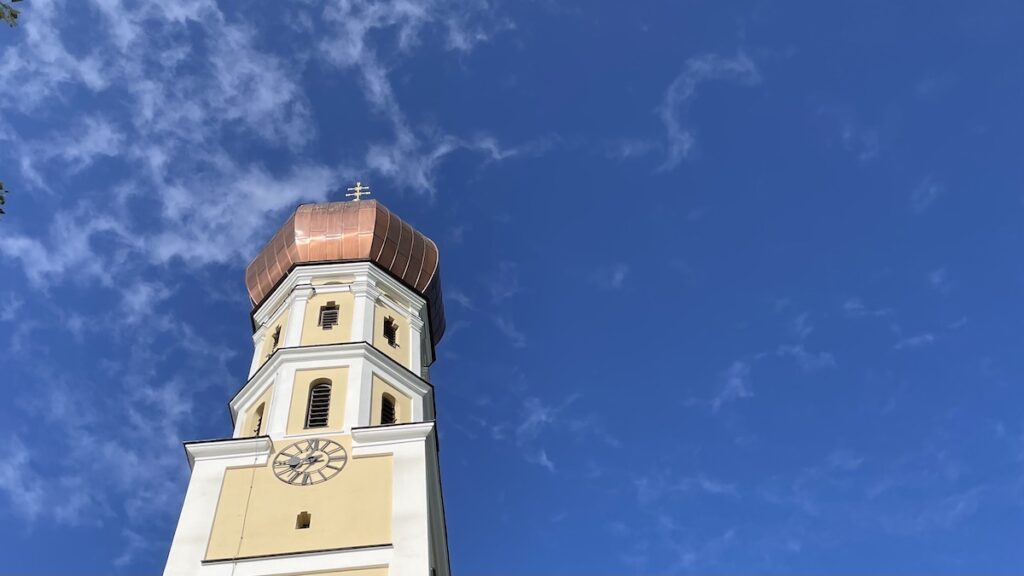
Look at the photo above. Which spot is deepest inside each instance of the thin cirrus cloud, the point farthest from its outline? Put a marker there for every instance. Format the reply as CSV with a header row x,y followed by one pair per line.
x,y
679,136
164,91
182,99
924,195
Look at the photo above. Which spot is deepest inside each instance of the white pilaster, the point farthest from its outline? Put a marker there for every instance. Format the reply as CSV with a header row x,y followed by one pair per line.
x,y
280,401
353,392
209,461
257,353
297,315
365,294
415,342
365,402
410,520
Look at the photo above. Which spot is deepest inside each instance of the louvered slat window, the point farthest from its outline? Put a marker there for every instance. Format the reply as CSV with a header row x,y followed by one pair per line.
x,y
387,409
319,405
328,316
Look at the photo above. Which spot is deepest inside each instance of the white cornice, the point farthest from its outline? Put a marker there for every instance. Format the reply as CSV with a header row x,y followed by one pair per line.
x,y
343,354
378,439
365,273
258,447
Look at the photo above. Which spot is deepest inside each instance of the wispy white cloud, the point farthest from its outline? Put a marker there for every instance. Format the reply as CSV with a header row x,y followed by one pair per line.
x,y
708,485
19,480
411,158
924,195
178,104
683,89
515,336
461,299
860,140
612,277
735,385
630,148
10,304
801,327
854,308
916,341
504,283
808,361
844,460
540,457
938,279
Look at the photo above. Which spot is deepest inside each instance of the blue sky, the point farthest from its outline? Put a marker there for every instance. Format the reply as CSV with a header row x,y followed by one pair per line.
x,y
731,287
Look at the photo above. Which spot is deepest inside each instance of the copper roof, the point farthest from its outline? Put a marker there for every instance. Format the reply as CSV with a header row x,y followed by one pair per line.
x,y
351,231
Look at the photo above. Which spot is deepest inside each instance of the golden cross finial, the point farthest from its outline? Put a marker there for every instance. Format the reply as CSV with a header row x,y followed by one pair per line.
x,y
358,191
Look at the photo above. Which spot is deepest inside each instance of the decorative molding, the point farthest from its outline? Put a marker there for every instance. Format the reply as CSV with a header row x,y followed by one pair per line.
x,y
256,447
349,355
304,553
377,281
367,440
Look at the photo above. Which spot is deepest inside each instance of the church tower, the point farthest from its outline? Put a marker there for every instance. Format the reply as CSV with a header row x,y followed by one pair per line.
x,y
332,468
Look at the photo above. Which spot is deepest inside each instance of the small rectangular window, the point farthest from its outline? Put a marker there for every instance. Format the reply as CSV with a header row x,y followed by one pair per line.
x,y
328,316
302,520
391,331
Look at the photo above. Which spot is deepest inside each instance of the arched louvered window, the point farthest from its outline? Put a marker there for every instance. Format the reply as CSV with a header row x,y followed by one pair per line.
x,y
388,415
319,404
258,419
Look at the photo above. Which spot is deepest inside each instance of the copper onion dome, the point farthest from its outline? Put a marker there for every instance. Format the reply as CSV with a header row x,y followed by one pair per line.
x,y
363,231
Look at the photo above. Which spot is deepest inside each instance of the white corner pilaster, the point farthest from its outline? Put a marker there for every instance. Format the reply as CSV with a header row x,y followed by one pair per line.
x,y
365,400
415,342
297,315
365,294
411,514
208,461
257,353
280,401
353,393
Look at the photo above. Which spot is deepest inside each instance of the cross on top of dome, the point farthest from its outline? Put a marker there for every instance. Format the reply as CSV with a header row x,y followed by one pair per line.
x,y
358,191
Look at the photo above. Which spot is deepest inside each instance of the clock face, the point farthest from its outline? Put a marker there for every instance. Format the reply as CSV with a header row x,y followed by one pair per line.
x,y
309,462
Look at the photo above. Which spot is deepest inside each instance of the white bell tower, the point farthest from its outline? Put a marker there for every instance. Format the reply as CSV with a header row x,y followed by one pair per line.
x,y
333,464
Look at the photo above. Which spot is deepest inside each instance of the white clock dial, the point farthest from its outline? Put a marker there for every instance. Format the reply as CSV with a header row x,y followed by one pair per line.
x,y
309,462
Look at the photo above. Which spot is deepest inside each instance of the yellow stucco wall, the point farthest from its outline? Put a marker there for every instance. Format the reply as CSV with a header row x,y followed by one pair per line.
x,y
351,509
403,404
341,332
250,415
399,353
268,339
300,399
